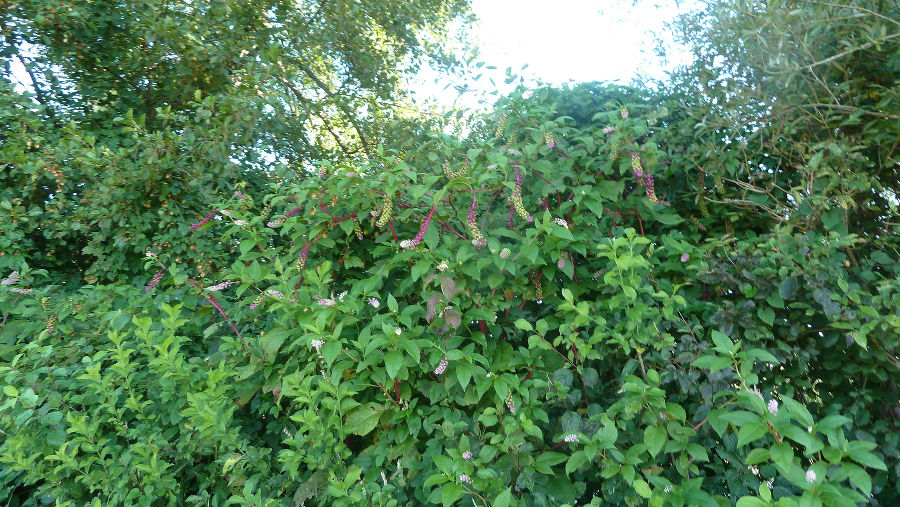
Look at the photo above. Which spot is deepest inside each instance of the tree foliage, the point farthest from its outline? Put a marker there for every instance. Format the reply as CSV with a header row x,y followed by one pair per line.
x,y
684,295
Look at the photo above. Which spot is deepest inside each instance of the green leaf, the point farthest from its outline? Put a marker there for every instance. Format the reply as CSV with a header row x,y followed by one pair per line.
x,y
797,410
420,268
858,477
782,454
718,419
787,288
271,341
751,501
463,374
722,341
867,459
654,439
577,459
882,258
503,499
363,419
450,493
10,391
393,361
392,303
548,459
766,315
641,488
523,324
757,456
751,432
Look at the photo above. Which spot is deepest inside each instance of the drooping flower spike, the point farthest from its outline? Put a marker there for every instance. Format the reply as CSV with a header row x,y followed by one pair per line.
x,y
156,278
477,238
422,230
205,220
516,198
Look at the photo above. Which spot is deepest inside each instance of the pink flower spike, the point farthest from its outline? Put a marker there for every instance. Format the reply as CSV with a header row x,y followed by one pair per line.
x,y
156,278
418,239
442,367
13,278
685,257
206,219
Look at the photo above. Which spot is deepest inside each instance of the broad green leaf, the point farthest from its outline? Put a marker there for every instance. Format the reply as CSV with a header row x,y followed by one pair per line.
x,y
654,439
641,488
393,361
363,419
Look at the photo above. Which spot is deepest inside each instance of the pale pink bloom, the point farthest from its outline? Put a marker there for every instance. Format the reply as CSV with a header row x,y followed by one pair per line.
x,y
685,257
773,407
571,438
442,367
465,478
220,286
317,344
13,278
374,302
467,455
810,476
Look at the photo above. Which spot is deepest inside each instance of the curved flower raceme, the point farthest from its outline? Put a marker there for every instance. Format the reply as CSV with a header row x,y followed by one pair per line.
x,y
516,197
422,230
385,211
279,221
13,278
477,238
156,278
205,220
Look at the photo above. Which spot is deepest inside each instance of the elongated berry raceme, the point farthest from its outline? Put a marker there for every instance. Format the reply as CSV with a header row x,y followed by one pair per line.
x,y
156,278
257,301
220,286
517,197
477,238
385,211
636,167
206,219
279,221
422,230
301,260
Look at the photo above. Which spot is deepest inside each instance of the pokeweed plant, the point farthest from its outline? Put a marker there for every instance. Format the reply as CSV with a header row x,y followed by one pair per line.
x,y
524,317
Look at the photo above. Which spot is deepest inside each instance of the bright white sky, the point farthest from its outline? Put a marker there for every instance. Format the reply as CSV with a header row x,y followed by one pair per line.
x,y
562,40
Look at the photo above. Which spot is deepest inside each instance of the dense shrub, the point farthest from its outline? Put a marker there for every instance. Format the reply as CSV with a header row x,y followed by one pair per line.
x,y
605,295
